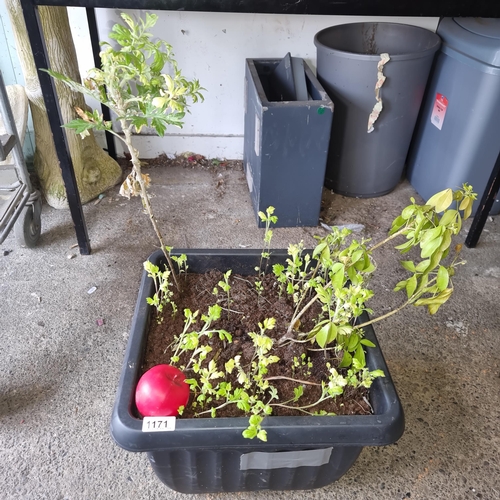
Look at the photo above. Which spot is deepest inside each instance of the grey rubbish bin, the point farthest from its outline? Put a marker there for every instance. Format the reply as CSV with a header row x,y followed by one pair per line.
x,y
365,164
457,139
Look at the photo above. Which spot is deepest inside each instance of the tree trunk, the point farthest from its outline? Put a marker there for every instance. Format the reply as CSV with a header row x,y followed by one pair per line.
x,y
95,170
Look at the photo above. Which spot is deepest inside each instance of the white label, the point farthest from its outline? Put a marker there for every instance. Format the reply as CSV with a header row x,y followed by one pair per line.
x,y
158,424
439,111
257,135
249,177
285,459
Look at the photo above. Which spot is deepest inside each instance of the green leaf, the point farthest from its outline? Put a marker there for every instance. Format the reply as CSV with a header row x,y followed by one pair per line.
x,y
159,126
322,335
338,278
360,356
298,392
424,280
139,122
278,269
446,240
466,206
443,278
404,246
411,286
397,224
431,234
77,87
408,265
370,268
353,342
442,200
346,360
319,248
400,285
250,433
332,333
229,366
262,435
367,343
408,212
433,308
255,420
356,256
468,210
79,126
438,299
448,217
429,248
353,275
422,266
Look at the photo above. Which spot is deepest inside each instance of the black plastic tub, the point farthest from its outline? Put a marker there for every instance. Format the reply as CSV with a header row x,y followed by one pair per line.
x,y
210,455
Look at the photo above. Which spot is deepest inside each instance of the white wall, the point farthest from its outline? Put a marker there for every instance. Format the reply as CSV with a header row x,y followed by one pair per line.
x,y
212,47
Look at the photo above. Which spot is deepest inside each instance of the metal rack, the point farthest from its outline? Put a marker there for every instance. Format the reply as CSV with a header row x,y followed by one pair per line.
x,y
434,8
20,204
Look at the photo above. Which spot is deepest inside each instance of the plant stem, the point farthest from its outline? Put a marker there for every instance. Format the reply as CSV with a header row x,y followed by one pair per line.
x,y
387,315
278,377
301,408
301,313
411,300
134,154
111,131
389,238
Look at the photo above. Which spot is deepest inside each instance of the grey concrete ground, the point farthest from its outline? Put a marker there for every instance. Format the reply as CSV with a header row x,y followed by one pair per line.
x,y
59,369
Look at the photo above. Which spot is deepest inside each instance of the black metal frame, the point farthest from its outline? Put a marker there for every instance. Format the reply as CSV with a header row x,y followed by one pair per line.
x,y
431,8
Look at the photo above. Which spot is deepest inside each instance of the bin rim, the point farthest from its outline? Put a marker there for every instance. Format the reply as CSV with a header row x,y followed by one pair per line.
x,y
376,57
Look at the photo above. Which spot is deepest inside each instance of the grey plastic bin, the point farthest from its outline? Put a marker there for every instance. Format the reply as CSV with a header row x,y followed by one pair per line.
x,y
460,141
365,164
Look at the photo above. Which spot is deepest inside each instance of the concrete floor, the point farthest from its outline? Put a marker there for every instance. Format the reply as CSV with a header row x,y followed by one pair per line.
x,y
59,369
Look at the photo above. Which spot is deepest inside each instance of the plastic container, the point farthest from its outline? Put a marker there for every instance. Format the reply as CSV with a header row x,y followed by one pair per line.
x,y
205,455
286,145
363,164
457,139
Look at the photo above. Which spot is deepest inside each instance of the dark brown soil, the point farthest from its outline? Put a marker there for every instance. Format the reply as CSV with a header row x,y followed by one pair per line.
x,y
247,309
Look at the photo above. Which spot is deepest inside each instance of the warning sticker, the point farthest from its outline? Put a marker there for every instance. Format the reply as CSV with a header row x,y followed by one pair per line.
x,y
439,111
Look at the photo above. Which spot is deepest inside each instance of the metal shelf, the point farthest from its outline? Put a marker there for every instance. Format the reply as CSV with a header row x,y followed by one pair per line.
x,y
430,8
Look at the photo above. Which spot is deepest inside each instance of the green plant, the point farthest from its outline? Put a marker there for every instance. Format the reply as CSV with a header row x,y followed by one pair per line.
x,y
132,83
163,294
268,218
332,280
226,287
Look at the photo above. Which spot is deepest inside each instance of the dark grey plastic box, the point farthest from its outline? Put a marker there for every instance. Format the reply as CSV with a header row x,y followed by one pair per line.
x,y
286,146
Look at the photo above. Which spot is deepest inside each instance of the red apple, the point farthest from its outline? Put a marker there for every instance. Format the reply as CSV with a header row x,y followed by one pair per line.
x,y
160,391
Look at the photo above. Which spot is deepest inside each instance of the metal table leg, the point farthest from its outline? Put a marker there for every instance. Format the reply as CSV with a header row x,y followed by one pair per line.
x,y
35,33
96,49
485,205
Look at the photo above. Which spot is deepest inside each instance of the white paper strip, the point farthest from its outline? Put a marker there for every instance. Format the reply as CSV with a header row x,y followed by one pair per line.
x,y
384,58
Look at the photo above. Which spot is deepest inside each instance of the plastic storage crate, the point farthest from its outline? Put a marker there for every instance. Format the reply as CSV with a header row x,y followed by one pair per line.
x,y
204,455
